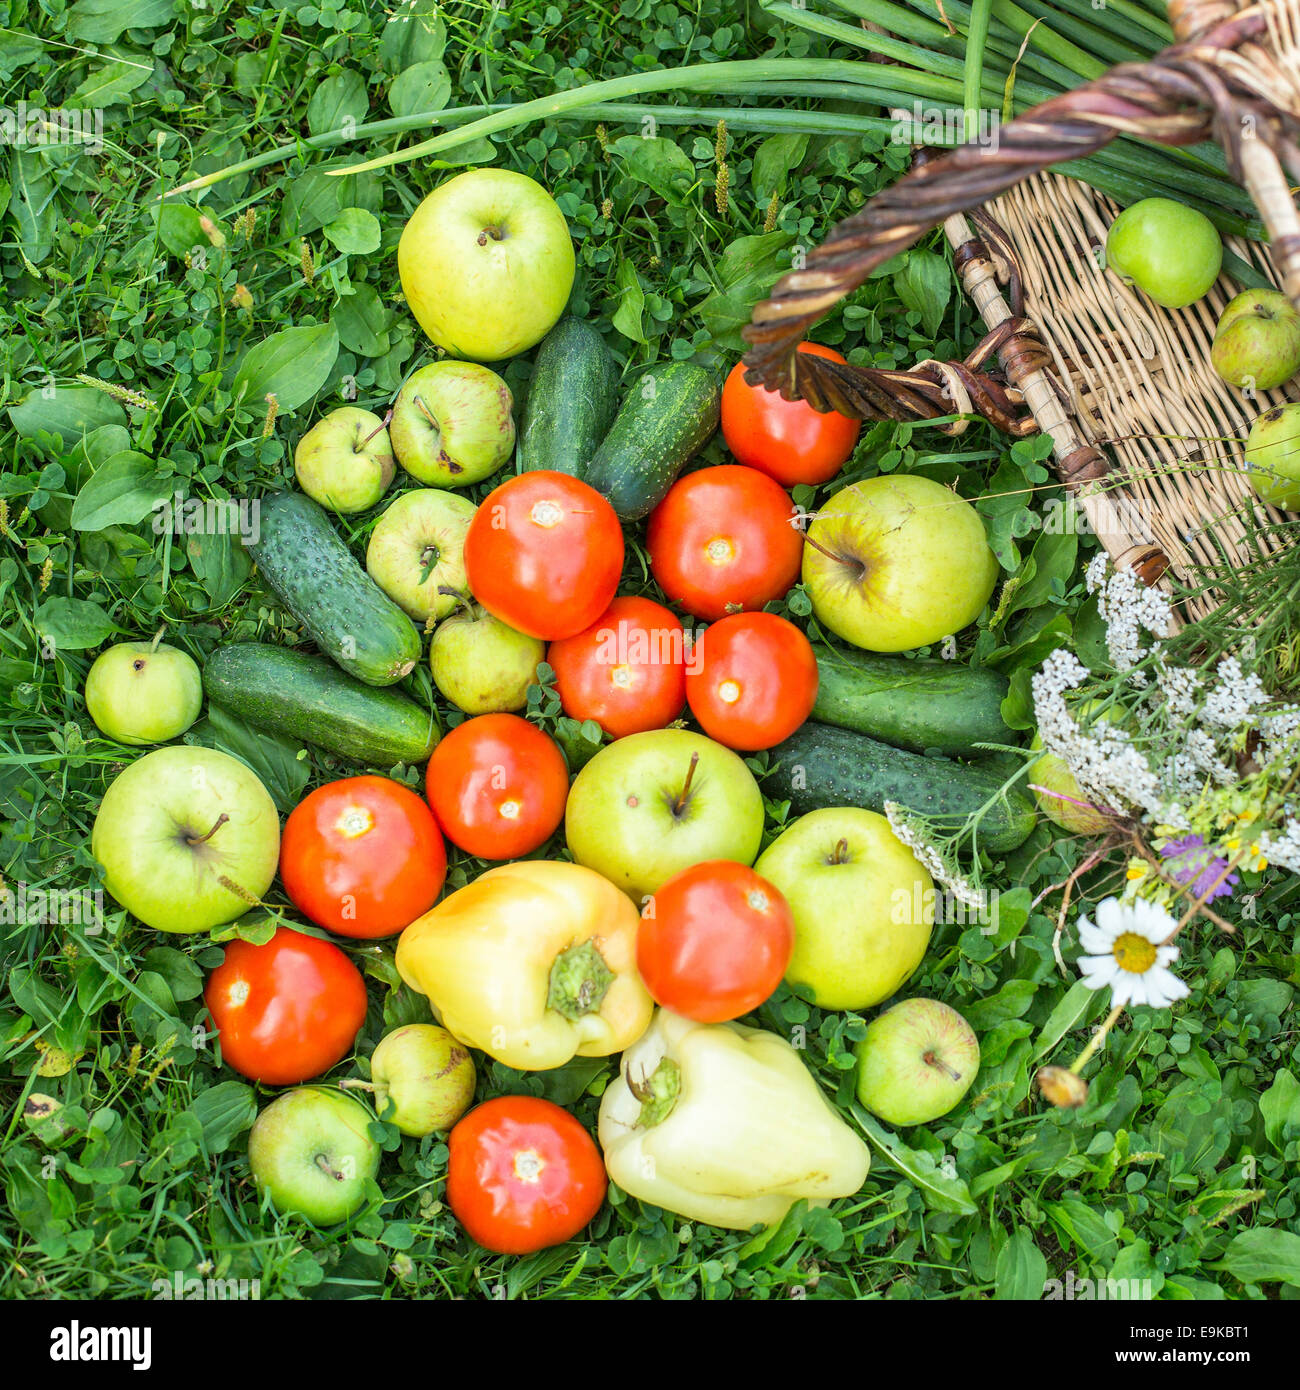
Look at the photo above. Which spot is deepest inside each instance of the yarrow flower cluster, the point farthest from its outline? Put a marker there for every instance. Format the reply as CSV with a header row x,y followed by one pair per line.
x,y
1129,609
929,856
1231,702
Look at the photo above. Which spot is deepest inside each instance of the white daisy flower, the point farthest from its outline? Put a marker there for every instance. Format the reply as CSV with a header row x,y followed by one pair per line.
x,y
1124,953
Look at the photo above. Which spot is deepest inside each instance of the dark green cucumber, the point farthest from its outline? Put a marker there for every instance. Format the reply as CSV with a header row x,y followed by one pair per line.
x,y
819,766
311,699
318,579
668,415
571,400
940,705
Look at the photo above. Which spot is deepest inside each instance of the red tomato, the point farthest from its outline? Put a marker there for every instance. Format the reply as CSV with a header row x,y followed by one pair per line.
x,y
523,1174
362,856
714,941
787,440
724,539
288,1010
544,553
497,785
627,671
753,680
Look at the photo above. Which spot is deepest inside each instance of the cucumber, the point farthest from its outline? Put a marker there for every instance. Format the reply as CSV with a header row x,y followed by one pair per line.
x,y
571,400
819,765
311,699
668,415
321,583
940,705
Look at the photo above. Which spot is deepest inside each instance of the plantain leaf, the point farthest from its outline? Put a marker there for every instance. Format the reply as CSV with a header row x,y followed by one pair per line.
x,y
291,365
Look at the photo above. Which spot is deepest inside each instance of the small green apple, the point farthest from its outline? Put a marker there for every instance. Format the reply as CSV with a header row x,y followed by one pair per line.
x,y
189,838
311,1150
916,1062
652,804
1257,342
345,461
482,665
863,906
427,1075
1273,456
144,692
1170,252
486,263
897,562
416,552
452,424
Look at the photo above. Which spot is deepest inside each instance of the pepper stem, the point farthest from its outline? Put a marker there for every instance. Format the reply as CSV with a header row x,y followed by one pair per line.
x,y
657,1093
579,981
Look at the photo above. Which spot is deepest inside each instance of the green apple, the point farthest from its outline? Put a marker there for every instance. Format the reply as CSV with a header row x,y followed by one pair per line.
x,y
452,424
916,1062
1169,251
486,264
1273,456
1257,342
427,1075
144,692
311,1150
482,665
345,461
897,562
417,551
863,906
188,837
650,805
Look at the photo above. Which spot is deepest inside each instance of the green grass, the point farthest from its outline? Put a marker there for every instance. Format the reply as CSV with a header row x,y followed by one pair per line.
x,y
1190,1135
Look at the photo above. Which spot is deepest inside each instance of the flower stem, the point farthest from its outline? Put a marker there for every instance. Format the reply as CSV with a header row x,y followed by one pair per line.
x,y
1096,1040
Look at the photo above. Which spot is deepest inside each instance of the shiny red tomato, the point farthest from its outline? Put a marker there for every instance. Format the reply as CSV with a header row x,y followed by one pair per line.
x,y
753,680
627,671
725,539
544,553
523,1174
497,785
362,856
287,1010
787,440
714,941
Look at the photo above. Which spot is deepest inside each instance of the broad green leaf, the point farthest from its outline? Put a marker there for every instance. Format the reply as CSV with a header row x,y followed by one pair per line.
x,y
776,156
220,563
354,232
1070,1012
421,87
942,1193
121,491
113,83
363,322
224,1110
292,365
659,163
73,624
924,284
104,21
744,274
1021,1272
316,198
1264,1255
272,756
78,464
179,229
183,976
67,412
1280,1107
631,302
1011,1001
339,99
31,203
414,34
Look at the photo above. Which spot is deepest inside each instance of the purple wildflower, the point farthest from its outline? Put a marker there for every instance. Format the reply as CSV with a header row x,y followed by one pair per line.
x,y
1191,862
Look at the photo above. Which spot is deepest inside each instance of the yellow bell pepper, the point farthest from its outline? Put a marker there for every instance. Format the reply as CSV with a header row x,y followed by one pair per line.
x,y
533,963
724,1124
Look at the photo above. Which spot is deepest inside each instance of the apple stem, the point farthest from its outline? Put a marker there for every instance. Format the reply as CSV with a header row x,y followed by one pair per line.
x,y
158,636
679,804
327,1168
931,1059
383,425
356,1083
841,854
193,840
494,232
836,556
462,601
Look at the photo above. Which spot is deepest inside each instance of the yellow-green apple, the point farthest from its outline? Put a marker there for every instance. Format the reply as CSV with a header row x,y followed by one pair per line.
x,y
416,552
897,562
1273,456
188,837
652,804
1171,252
863,906
426,1073
311,1151
1257,342
144,692
345,461
452,424
486,264
916,1062
482,665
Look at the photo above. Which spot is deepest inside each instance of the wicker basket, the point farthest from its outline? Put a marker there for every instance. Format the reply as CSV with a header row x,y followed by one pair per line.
x,y
1144,431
